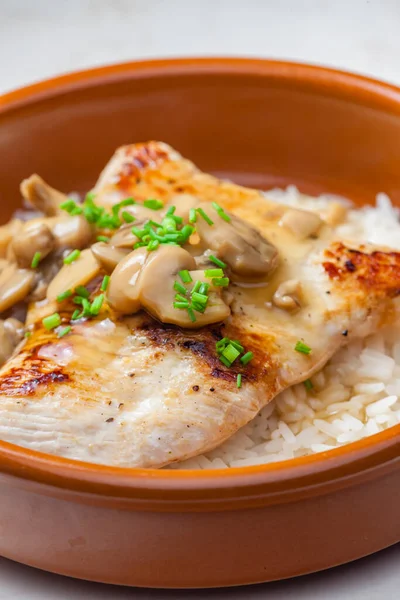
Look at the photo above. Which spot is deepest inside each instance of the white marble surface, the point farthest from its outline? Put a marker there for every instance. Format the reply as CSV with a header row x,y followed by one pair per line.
x,y
41,38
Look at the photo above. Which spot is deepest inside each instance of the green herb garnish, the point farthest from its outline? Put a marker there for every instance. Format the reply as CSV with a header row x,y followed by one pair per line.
x,y
303,348
64,296
239,380
220,281
185,276
52,321
217,261
64,331
221,212
246,358
96,305
36,260
209,273
72,257
153,204
104,283
205,216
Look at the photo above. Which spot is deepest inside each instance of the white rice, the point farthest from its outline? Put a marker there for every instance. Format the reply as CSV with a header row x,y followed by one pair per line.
x,y
357,393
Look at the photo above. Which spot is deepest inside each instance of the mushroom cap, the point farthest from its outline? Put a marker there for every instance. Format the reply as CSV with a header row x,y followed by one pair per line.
x,y
15,285
108,256
123,292
70,276
248,254
34,236
146,280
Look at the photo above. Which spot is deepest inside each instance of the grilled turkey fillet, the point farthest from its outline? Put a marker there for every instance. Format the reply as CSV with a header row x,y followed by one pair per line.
x,y
133,392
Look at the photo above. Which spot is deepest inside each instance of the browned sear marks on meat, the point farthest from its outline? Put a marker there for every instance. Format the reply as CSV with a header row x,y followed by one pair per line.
x,y
139,158
376,270
32,373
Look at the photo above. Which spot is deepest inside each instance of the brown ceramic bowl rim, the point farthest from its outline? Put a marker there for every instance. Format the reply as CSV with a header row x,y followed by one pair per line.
x,y
272,482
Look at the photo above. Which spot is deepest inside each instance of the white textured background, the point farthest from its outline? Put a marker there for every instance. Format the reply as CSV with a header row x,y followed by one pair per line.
x,y
41,38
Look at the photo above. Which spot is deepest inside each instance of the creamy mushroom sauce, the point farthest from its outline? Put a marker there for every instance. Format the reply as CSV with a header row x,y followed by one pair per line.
x,y
37,261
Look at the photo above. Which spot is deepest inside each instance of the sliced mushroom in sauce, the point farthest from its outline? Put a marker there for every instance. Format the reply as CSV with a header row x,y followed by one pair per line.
x,y
248,254
42,196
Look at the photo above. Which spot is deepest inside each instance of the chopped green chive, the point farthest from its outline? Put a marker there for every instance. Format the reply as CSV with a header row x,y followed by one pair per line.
x,y
239,380
217,262
153,245
103,238
72,257
178,287
225,361
169,223
221,212
82,291
192,215
237,345
86,308
78,300
203,289
36,260
28,334
64,296
76,315
230,353
209,273
196,287
71,207
308,384
185,276
170,211
96,305
220,281
153,204
191,315
104,283
177,219
246,358
220,345
52,321
127,217
181,304
64,331
205,216
303,348
180,298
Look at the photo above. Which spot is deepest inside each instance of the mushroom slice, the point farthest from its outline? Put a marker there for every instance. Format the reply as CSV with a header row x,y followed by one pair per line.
x,y
124,238
7,232
40,195
158,294
124,289
287,295
146,280
108,256
80,272
34,236
15,285
71,232
248,254
142,213
302,223
183,203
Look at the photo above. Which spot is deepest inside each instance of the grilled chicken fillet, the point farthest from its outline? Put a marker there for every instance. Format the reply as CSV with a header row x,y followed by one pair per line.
x,y
131,391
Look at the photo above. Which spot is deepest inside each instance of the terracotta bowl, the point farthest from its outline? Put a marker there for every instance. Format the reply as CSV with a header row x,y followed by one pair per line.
x,y
260,123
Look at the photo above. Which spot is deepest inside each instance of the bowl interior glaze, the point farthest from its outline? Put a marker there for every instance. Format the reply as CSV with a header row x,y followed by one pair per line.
x,y
259,123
